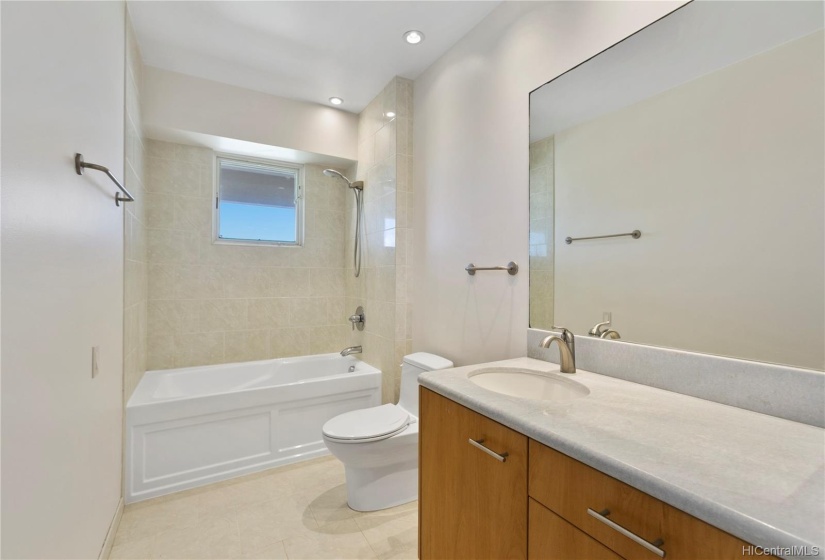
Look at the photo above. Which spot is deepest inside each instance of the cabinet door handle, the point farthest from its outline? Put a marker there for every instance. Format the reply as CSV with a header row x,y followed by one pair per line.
x,y
652,547
480,444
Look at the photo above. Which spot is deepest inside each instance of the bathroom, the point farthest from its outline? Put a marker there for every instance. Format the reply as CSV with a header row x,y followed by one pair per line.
x,y
513,238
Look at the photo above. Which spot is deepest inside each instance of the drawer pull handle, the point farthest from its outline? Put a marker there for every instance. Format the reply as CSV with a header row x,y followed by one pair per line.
x,y
652,547
480,444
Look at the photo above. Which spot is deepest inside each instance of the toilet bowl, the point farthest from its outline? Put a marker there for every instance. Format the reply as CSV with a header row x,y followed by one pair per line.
x,y
379,445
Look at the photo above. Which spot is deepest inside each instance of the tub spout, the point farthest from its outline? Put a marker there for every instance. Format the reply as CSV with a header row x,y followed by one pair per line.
x,y
351,350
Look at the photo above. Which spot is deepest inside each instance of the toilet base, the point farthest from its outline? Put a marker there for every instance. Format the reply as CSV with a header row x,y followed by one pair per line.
x,y
371,489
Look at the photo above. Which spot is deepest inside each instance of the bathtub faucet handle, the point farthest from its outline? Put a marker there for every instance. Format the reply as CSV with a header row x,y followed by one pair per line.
x,y
358,319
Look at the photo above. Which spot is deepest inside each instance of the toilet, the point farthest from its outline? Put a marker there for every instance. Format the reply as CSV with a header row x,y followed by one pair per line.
x,y
379,445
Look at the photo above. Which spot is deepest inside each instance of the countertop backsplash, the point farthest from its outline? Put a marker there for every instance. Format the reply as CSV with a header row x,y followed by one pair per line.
x,y
786,392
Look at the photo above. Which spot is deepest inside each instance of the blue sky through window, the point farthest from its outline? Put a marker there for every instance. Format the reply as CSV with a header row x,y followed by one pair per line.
x,y
256,221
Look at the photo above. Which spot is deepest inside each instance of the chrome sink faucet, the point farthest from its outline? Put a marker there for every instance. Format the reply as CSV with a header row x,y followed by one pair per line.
x,y
567,348
351,350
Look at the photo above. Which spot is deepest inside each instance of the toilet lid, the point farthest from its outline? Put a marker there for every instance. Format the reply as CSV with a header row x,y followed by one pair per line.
x,y
367,423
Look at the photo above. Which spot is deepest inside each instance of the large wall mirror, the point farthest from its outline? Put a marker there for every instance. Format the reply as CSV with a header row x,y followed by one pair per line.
x,y
704,132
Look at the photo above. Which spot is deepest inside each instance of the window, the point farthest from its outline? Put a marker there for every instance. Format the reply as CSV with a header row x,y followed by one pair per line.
x,y
258,202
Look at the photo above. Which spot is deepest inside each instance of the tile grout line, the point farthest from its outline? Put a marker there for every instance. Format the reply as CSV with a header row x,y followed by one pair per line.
x,y
375,552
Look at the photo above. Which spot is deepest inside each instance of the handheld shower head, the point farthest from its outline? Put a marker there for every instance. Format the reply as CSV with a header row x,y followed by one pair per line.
x,y
333,173
358,190
351,184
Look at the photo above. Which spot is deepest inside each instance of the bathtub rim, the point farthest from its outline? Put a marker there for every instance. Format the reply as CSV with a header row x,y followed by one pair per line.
x,y
142,394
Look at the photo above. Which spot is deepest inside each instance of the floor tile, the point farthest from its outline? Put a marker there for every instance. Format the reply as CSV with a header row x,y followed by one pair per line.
x,y
215,537
271,552
263,525
146,519
331,505
337,540
390,533
410,553
298,511
136,549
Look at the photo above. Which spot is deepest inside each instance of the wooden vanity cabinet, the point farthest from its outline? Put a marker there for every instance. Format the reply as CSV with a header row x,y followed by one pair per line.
x,y
552,538
571,488
473,504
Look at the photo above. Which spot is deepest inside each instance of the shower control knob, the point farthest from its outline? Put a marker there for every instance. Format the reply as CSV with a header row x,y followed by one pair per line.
x,y
358,319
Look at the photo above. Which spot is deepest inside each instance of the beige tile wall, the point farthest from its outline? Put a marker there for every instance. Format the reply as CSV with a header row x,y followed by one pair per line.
x,y
385,165
218,303
541,232
211,303
404,223
135,278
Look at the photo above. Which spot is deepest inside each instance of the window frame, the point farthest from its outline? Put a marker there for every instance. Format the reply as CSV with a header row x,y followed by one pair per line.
x,y
271,163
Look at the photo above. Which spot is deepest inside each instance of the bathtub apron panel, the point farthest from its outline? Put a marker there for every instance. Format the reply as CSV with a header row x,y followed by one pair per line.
x,y
180,434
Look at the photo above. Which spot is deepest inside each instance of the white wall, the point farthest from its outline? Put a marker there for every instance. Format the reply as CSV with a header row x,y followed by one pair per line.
x,y
173,101
730,202
471,166
62,276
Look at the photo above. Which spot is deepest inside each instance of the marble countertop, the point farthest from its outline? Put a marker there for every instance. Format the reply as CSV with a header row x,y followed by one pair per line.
x,y
758,477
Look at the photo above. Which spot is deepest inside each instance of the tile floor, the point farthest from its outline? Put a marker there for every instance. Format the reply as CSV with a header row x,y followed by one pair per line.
x,y
296,511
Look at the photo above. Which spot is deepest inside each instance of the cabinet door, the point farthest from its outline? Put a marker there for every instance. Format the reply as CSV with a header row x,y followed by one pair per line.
x,y
471,503
576,491
552,538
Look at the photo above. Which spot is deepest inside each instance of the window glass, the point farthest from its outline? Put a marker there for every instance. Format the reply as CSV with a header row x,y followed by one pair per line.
x,y
258,202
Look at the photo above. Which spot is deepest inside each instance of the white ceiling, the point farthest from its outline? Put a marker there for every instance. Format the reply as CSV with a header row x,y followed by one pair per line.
x,y
300,49
698,39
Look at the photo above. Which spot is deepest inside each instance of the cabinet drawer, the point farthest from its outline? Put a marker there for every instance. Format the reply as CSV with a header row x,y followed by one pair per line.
x,y
472,497
549,537
570,488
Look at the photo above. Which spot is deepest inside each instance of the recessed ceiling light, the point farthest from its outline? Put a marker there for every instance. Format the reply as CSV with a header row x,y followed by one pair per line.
x,y
413,37
389,114
336,100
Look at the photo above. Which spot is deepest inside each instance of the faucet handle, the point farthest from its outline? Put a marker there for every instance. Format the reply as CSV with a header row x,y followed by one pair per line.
x,y
600,328
566,334
358,319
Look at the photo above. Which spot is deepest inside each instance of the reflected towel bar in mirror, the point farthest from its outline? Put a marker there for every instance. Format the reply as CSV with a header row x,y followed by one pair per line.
x,y
79,164
511,267
635,234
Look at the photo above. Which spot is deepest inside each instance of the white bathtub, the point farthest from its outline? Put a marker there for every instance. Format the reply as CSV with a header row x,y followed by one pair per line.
x,y
193,426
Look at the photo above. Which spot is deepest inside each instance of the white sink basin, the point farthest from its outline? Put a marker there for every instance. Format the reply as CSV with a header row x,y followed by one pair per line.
x,y
528,384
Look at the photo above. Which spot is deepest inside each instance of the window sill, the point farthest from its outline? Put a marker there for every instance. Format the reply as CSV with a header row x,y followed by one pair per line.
x,y
254,243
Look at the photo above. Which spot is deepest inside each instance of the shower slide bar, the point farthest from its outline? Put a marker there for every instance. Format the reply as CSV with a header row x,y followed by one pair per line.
x,y
79,165
511,267
635,234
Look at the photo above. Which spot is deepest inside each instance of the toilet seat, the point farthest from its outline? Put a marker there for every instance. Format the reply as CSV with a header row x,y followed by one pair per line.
x,y
367,424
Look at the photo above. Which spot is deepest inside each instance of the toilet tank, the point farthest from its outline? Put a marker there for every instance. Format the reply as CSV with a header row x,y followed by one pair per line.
x,y
411,367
